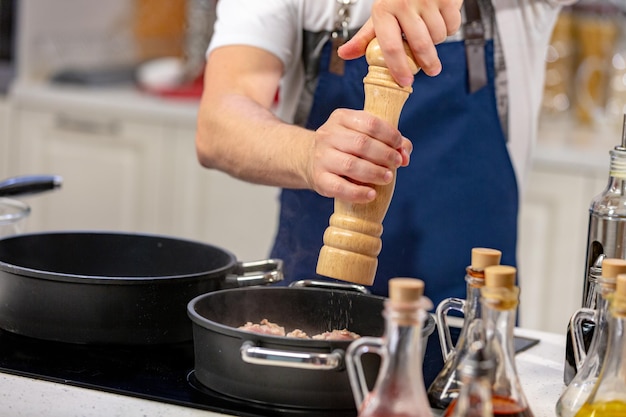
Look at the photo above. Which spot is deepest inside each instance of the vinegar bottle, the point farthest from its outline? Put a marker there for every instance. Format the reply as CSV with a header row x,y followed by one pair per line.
x,y
608,397
474,398
578,390
399,389
499,300
445,386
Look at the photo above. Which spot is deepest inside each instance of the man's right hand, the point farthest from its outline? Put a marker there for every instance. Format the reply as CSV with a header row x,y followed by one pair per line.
x,y
352,149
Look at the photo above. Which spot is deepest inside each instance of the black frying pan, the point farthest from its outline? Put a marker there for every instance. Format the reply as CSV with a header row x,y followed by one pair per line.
x,y
113,288
277,370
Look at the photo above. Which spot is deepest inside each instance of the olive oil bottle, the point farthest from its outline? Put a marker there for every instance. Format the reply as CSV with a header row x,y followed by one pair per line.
x,y
608,397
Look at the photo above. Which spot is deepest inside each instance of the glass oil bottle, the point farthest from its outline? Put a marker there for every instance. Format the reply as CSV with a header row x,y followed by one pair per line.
x,y
608,397
499,300
590,362
474,398
607,229
445,387
399,389
607,213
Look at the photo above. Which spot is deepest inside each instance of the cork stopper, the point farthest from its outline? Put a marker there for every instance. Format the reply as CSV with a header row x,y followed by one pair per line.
x,y
612,267
618,302
620,289
405,289
500,276
484,257
500,291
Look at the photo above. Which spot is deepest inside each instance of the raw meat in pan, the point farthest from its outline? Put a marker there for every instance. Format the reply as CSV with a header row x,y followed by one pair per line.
x,y
265,327
273,329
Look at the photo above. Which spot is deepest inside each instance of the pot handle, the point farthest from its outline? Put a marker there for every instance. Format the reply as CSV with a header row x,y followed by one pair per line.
x,y
266,271
329,285
29,184
251,353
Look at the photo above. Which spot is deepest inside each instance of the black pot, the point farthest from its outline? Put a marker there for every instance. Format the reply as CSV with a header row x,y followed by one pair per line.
x,y
283,371
113,288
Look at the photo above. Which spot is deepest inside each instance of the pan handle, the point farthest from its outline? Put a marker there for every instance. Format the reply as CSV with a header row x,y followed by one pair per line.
x,y
266,271
29,184
251,353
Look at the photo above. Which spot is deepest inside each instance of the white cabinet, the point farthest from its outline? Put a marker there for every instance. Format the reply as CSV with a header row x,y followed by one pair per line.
x,y
552,243
134,171
113,170
213,207
570,167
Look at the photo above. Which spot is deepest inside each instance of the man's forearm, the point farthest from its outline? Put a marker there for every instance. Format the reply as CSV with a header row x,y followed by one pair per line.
x,y
259,148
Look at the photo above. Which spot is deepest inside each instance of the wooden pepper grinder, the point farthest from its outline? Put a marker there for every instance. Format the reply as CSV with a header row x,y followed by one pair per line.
x,y
352,240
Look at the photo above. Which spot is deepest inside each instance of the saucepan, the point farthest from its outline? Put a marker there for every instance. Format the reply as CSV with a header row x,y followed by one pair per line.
x,y
277,370
94,287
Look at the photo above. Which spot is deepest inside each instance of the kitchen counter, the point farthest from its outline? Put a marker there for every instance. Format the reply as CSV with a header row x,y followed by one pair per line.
x,y
116,101
540,369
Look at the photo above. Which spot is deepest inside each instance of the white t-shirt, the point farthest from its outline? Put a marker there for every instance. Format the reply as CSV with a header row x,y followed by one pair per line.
x,y
525,27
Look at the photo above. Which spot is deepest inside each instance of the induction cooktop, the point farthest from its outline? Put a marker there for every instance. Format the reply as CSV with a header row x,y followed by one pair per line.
x,y
161,373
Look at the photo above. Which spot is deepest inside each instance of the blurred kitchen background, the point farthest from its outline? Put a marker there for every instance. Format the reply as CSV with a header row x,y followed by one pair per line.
x,y
106,94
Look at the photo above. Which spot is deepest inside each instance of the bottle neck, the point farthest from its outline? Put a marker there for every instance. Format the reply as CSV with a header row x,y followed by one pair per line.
x,y
404,346
475,281
474,398
594,294
499,322
617,167
603,289
472,311
617,172
400,383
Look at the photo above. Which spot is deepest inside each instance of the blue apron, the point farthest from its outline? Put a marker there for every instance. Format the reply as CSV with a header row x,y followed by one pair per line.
x,y
458,192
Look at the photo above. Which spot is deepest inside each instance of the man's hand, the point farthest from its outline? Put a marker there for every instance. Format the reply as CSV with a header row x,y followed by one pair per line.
x,y
354,148
422,23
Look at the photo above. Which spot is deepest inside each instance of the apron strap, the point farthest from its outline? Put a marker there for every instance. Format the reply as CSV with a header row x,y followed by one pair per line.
x,y
474,46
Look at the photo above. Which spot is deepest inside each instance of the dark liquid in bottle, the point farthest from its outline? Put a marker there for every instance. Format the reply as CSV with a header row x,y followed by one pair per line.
x,y
502,407
506,407
439,403
569,370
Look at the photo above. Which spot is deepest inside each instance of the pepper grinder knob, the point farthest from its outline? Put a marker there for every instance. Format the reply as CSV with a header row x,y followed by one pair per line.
x,y
352,240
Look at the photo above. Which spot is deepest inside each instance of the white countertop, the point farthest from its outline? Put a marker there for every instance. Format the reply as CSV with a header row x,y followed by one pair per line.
x,y
540,370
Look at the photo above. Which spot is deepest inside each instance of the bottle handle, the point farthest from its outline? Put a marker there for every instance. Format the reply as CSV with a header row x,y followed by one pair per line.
x,y
354,366
443,328
576,333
